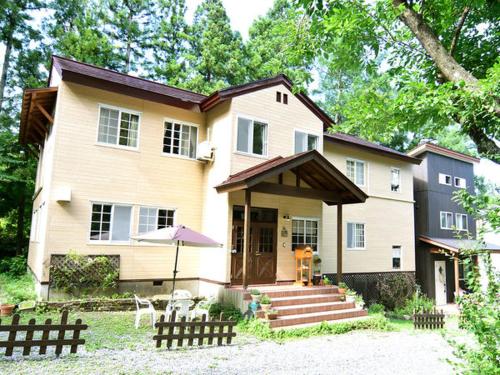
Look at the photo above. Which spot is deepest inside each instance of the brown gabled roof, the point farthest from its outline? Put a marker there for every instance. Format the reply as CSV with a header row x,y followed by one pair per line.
x,y
457,244
431,147
310,166
233,91
354,141
98,77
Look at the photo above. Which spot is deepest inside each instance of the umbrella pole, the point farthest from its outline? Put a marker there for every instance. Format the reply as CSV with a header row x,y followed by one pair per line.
x,y
175,268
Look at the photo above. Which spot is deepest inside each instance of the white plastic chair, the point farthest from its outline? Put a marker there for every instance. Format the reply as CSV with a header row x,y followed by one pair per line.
x,y
181,294
144,306
181,308
202,308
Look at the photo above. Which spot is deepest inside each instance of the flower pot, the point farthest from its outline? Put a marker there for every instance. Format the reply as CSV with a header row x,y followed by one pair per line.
x,y
341,290
6,310
256,297
272,316
265,306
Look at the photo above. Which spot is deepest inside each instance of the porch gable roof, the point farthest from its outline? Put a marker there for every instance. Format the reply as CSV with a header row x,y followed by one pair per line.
x,y
455,244
327,182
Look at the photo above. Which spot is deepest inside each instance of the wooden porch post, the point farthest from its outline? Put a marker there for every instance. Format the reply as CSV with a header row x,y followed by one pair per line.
x,y
339,243
457,284
246,236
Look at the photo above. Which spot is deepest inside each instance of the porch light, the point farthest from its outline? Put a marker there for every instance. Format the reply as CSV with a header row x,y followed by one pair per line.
x,y
286,217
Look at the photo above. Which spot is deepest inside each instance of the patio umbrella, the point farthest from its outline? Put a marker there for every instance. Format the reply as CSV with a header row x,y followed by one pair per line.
x,y
177,235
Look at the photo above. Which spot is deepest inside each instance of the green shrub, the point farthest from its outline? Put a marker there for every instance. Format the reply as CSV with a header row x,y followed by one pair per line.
x,y
255,292
376,308
395,289
228,311
326,281
16,289
79,272
13,266
262,329
417,303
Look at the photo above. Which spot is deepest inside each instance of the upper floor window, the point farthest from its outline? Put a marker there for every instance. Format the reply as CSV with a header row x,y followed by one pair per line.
x,y
278,96
180,139
305,233
305,142
460,182
252,137
110,222
461,220
395,179
285,98
444,179
446,220
396,257
355,236
118,127
356,171
152,218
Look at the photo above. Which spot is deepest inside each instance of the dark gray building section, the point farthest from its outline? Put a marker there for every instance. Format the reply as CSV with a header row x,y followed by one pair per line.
x,y
431,198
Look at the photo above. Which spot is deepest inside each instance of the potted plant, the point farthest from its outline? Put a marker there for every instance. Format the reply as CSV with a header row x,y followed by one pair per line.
x,y
326,281
265,302
360,303
342,288
272,314
7,308
256,295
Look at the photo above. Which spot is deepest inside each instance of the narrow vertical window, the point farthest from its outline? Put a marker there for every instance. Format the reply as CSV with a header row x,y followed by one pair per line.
x,y
395,179
396,257
285,98
278,96
446,220
355,236
461,221
356,171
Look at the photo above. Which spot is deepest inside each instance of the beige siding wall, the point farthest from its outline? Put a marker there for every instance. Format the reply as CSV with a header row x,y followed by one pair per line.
x,y
109,174
282,120
387,215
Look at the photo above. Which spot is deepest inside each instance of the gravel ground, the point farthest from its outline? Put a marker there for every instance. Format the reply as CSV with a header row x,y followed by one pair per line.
x,y
361,352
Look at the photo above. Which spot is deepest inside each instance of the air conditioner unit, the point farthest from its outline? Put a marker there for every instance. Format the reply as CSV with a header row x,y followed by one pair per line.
x,y
204,151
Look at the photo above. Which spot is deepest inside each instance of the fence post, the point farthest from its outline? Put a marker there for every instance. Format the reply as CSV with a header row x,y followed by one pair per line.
x,y
171,329
181,332
45,337
160,330
202,329
12,335
76,336
29,338
62,331
230,334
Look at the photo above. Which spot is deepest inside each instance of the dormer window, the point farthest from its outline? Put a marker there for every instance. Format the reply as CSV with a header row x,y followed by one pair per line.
x,y
444,179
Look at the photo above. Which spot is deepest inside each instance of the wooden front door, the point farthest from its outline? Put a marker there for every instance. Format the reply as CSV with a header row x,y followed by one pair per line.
x,y
262,258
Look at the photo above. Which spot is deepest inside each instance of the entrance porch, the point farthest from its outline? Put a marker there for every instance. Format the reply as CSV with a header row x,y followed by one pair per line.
x,y
263,201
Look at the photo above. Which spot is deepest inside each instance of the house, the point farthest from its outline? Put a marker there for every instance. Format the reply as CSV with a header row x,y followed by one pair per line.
x,y
251,166
442,227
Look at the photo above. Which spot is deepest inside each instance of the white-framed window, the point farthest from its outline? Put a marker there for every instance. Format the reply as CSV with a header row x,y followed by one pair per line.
x,y
396,257
446,220
395,179
356,171
152,218
119,127
460,182
444,179
251,137
305,141
461,222
305,232
110,222
356,236
180,139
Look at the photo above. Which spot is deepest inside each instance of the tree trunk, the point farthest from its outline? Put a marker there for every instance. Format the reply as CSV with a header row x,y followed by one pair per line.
x,y
5,69
446,64
20,223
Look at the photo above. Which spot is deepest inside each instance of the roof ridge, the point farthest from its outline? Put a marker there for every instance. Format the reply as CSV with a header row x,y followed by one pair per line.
x,y
128,75
280,75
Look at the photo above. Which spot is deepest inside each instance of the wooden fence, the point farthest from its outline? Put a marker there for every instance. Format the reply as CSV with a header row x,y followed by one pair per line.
x,y
182,330
428,319
29,341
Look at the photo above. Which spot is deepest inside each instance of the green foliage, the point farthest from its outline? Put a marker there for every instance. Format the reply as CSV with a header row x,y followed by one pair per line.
x,y
262,329
255,292
228,311
16,289
395,289
326,281
376,308
79,272
417,303
265,300
480,309
13,267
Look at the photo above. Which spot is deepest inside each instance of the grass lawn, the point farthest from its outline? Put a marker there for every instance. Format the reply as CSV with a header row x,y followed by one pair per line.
x,y
17,289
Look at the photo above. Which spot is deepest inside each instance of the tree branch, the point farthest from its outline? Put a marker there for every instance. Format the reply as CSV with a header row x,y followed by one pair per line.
x,y
458,30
